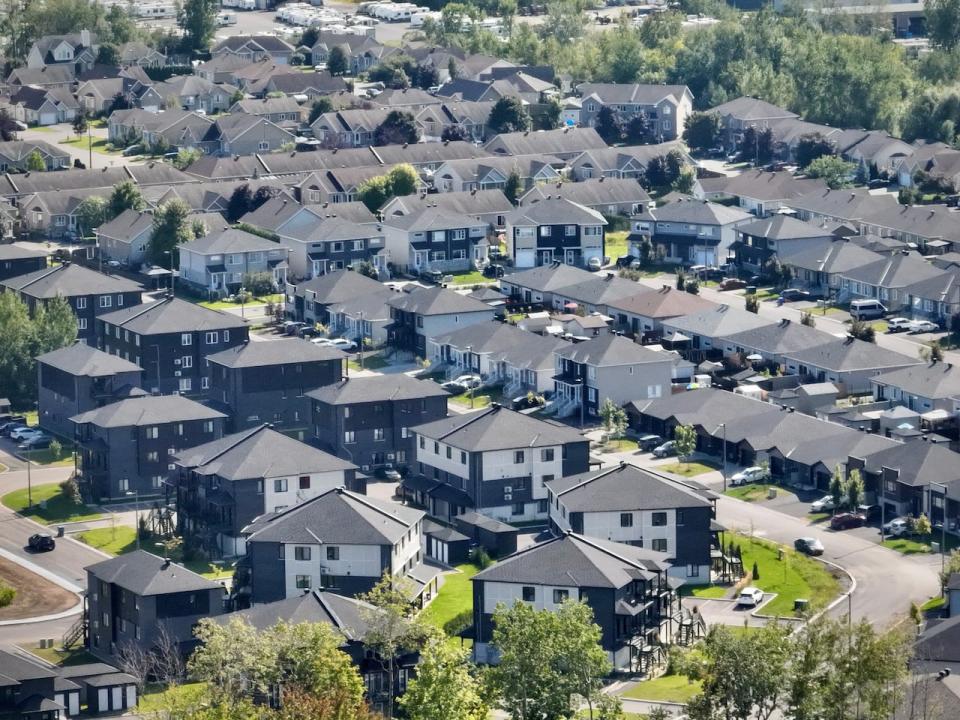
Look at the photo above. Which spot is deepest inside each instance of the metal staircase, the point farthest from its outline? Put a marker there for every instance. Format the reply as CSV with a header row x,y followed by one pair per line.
x,y
76,633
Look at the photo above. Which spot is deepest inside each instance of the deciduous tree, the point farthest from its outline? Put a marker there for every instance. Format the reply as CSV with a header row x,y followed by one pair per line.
x,y
701,130
508,115
91,213
398,127
684,440
447,686
125,196
171,228
35,162
198,20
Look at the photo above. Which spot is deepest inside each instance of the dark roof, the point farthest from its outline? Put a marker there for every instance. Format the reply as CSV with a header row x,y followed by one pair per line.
x,y
782,337
667,302
275,352
497,428
70,281
147,410
611,349
346,614
436,301
718,321
83,360
231,240
338,286
376,388
547,278
505,343
15,252
490,524
127,225
17,666
932,380
555,211
623,488
919,463
172,315
939,641
849,354
783,227
144,573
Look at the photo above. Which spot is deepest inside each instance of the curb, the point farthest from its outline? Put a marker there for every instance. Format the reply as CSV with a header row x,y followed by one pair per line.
x,y
51,577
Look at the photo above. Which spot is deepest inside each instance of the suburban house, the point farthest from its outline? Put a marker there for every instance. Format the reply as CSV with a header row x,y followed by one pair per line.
x,y
889,280
592,293
435,239
609,196
774,341
488,206
761,192
626,162
626,587
562,143
494,461
630,505
16,261
363,52
368,420
708,329
138,600
349,128
310,301
537,286
420,314
283,111
554,229
76,50
469,117
365,319
643,313
78,378
341,542
192,92
126,238
169,339
14,154
172,127
820,265
666,107
924,388
492,173
776,236
848,363
247,134
254,48
224,485
268,382
141,54
91,294
608,366
125,448
221,262
744,112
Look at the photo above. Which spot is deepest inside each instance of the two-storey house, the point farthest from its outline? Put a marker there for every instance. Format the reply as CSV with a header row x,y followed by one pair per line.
x,y
224,485
78,51
169,339
435,239
666,107
310,301
555,229
425,313
126,238
219,263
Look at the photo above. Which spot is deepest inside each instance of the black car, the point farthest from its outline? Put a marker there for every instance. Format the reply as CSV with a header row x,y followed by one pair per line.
x,y
648,443
433,276
628,261
493,271
792,295
41,542
808,546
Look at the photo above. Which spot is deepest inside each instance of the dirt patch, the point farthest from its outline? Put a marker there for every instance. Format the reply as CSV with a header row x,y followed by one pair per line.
x,y
35,595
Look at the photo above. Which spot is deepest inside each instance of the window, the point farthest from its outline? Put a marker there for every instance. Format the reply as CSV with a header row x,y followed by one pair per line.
x,y
626,520
518,457
211,338
280,485
529,593
546,455
463,458
152,433
304,482
659,519
423,443
660,544
449,452
125,484
263,145
378,433
349,437
226,336
693,571
517,509
186,339
186,361
560,595
82,303
301,552
106,301
679,515
333,552
81,323
208,426
570,230
153,456
204,383
303,582
544,231
358,245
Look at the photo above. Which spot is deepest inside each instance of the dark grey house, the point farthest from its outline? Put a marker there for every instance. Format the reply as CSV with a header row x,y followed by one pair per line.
x,y
421,314
15,260
340,541
625,586
555,229
495,461
268,382
432,238
128,446
633,506
169,339
78,378
223,485
309,300
133,598
91,294
368,420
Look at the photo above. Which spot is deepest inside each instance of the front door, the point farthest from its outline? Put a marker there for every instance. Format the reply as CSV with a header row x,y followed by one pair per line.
x,y
570,257
546,257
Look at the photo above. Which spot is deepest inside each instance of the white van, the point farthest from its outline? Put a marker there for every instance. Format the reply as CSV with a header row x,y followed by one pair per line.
x,y
867,309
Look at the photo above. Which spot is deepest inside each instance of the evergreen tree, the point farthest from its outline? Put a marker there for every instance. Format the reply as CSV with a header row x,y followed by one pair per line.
x,y
125,196
338,63
239,203
198,20
508,115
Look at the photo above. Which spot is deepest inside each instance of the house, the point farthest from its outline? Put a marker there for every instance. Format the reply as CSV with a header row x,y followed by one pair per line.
x,y
821,264
554,229
220,263
689,231
760,240
141,54
125,447
889,280
365,318
46,104
709,328
14,155
310,301
174,127
846,362
538,285
311,85
267,382
494,461
283,111
76,50
487,206
126,238
341,542
745,112
563,143
255,74
610,367
666,107
363,52
774,341
255,48
761,192
626,587
434,239
91,294
622,162
630,505
133,600
246,134
922,388
16,260
420,314
192,92
499,353
78,378
224,485
492,173
367,420
169,339
643,313
609,196
98,95
593,294
438,118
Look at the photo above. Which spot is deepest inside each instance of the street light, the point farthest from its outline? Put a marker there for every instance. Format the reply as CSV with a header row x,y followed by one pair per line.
x,y
136,510
943,527
724,426
243,301
470,369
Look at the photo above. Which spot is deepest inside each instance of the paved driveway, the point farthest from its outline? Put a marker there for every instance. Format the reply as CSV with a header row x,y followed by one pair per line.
x,y
55,134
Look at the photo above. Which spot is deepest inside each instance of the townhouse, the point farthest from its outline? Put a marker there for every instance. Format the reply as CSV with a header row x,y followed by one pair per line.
x,y
492,173
555,229
821,264
923,388
774,341
364,318
610,196
488,206
708,329
311,301
593,293
174,127
848,363
126,238
537,286
760,240
90,294
126,447
47,104
622,162
494,461
349,128
78,50
300,84
14,154
434,239
254,48
666,107
16,261
644,312
889,280
761,192
224,485
562,143
283,111
468,117
630,505
368,420
420,314
221,262
169,339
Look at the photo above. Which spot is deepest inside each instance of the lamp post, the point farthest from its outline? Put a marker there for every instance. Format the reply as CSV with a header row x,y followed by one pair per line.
x,y
361,336
243,301
724,426
469,370
136,511
943,527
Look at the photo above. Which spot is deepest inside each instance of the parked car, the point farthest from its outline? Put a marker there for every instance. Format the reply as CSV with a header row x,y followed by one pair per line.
x,y
665,450
896,527
732,284
749,475
923,326
628,261
343,344
469,380
493,271
41,542
808,546
898,324
525,402
389,474
594,264
36,442
824,504
750,597
845,521
23,432
11,425
793,295
869,512
432,276
453,387
291,327
649,442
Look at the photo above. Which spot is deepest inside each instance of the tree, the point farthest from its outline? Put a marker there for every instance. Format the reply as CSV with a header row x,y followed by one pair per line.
x,y
91,213
943,23
375,192
951,566
836,488
320,106
125,196
922,526
756,146
186,157
446,686
399,127
171,228
122,25
638,129
834,170
35,162
239,203
16,350
549,116
614,418
609,126
198,20
263,194
403,180
508,115
55,325
337,61
8,126
108,55
685,180
684,440
936,352
453,133
812,146
701,130
854,489
663,170
80,123
860,330
513,186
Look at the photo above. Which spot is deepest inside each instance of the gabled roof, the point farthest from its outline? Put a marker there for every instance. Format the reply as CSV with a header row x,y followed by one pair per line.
x,y
17,667
838,255
83,360
555,211
850,354
591,193
172,315
748,108
428,219
376,388
497,428
766,186
717,322
547,278
259,453
468,202
231,240
632,93
598,289
573,560
782,337
275,352
700,212
667,302
338,517
16,252
147,410
338,286
896,271
69,280
939,642
144,574
436,301
345,614
783,227
932,380
919,463
126,226
505,343
545,142
624,488
609,349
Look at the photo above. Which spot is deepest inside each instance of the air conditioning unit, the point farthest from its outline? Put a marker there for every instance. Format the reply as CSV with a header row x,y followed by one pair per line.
x,y
507,489
176,373
177,361
507,497
390,456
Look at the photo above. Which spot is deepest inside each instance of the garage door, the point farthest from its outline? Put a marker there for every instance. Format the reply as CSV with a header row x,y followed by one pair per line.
x,y
117,698
103,700
48,118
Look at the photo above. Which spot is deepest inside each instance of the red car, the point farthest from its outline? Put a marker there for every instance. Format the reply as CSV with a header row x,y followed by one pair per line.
x,y
845,521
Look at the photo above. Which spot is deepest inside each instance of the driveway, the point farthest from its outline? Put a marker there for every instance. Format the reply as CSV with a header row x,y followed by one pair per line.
x,y
55,134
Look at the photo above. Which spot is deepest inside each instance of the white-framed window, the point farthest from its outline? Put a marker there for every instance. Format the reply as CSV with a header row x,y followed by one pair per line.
x,y
459,234
81,303
208,426
186,384
186,361
544,231
349,437
186,339
106,301
280,485
378,433
358,244
119,300
263,145
204,383
152,432
211,337
81,323
570,230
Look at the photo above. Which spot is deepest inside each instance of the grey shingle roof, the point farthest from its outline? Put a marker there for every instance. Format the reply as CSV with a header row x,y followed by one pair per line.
x,y
436,301
932,380
231,240
846,355
127,225
172,315
546,142
592,193
623,488
259,453
631,93
610,349
147,410
339,286
505,343
718,321
376,388
15,252
667,302
700,212
470,202
748,108
600,289
497,428
783,337
547,278
763,185
70,281
919,462
555,211
346,614
783,227
275,352
143,574
338,517
82,360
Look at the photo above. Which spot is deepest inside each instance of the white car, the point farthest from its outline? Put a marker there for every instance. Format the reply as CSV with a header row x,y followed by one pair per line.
x,y
24,432
750,597
824,504
923,326
898,324
749,475
342,344
896,527
468,381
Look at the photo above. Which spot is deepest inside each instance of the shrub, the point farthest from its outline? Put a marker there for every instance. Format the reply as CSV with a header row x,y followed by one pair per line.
x,y
7,594
458,623
756,571
56,449
260,283
481,558
70,488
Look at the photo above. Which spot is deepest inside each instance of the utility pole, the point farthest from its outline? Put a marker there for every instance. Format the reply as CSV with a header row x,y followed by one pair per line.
x,y
361,336
89,146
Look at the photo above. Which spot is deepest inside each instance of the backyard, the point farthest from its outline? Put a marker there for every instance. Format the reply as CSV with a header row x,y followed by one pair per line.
x,y
616,244
686,469
454,598
666,688
57,507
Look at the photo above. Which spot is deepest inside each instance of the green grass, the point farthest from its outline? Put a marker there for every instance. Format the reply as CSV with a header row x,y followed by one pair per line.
x,y
472,277
159,701
686,469
63,658
58,508
934,603
122,539
228,304
479,400
907,546
514,318
45,456
98,145
668,688
455,596
712,592
616,244
370,362
754,492
796,576
620,445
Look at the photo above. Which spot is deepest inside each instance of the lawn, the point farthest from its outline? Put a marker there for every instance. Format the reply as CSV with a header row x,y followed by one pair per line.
x,y
370,362
620,445
473,277
796,576
122,539
667,688
616,244
58,508
480,400
230,304
907,546
161,701
686,469
45,456
705,591
99,145
75,656
754,492
455,596
934,603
